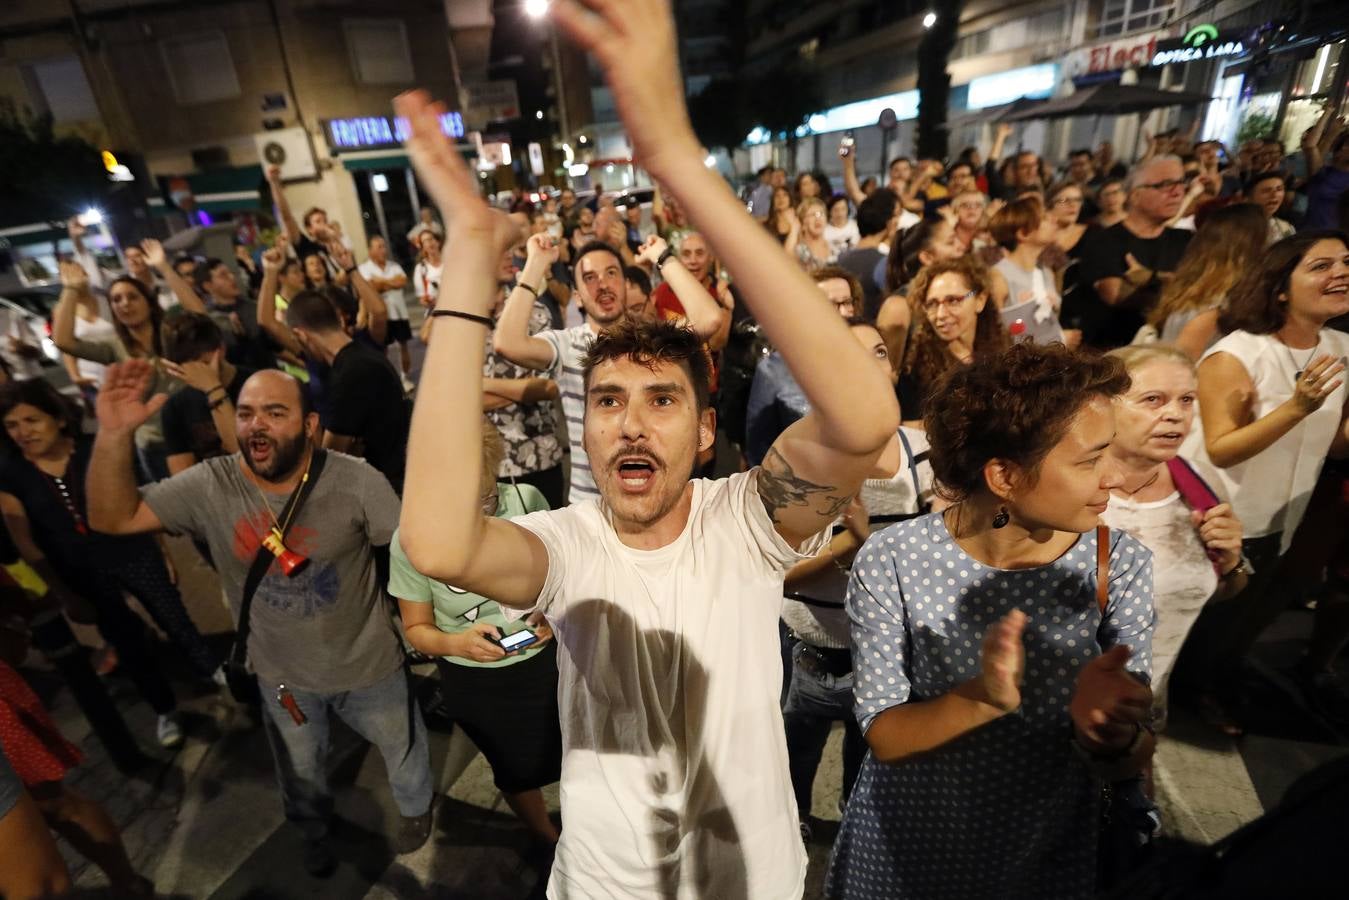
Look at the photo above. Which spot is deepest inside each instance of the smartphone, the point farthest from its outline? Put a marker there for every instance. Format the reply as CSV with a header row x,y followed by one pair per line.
x,y
517,641
845,146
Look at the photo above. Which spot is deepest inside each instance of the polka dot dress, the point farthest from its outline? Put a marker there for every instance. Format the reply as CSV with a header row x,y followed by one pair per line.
x,y
1007,810
36,750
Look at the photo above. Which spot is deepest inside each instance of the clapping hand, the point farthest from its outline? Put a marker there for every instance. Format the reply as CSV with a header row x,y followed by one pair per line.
x,y
73,276
634,42
1315,383
155,257
122,405
1109,703
651,249
1002,664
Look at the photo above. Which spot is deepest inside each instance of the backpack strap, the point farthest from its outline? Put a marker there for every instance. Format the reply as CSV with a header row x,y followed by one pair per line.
x,y
1102,566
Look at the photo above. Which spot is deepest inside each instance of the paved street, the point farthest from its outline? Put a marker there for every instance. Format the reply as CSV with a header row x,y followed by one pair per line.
x,y
206,822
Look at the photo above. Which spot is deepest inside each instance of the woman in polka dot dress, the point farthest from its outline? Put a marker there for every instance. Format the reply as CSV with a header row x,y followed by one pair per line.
x,y
994,694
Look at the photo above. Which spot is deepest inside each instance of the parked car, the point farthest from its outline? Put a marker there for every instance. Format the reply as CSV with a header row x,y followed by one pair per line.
x,y
26,322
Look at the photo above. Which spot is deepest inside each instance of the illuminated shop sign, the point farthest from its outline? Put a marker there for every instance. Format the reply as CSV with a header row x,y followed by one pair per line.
x,y
379,132
1200,42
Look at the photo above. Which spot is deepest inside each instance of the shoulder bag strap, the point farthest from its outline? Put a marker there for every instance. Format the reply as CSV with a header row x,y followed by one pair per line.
x,y
1102,567
263,560
913,470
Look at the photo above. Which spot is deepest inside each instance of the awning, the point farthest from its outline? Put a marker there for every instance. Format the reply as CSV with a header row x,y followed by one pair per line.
x,y
391,159
235,189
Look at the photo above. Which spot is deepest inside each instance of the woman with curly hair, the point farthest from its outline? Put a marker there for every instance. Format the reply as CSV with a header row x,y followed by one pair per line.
x,y
1222,249
957,323
1001,647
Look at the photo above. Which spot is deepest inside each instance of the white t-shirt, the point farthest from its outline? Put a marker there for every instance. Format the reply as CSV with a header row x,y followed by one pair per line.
x,y
1270,491
570,346
674,771
841,238
393,298
1183,576
426,282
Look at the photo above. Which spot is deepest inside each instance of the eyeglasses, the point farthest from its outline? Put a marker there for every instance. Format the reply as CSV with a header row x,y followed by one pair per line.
x,y
1066,201
932,304
1169,184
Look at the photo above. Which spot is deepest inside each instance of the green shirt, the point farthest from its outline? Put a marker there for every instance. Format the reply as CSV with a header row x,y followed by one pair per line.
x,y
456,610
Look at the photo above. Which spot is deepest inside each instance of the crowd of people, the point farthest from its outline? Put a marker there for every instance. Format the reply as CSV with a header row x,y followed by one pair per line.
x,y
1020,457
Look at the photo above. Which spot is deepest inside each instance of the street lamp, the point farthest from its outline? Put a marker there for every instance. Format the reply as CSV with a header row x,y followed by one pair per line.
x,y
929,20
536,9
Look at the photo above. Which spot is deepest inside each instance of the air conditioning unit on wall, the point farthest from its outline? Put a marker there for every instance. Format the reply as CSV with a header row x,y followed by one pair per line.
x,y
288,148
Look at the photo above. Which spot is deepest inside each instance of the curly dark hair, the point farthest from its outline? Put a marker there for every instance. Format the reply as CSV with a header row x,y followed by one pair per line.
x,y
928,355
1256,303
650,343
39,393
1014,406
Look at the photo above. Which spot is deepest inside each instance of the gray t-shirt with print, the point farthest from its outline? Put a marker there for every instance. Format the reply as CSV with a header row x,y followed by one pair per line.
x,y
327,628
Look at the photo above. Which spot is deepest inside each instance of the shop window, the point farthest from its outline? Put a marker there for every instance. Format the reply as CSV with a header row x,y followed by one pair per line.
x,y
1127,16
59,87
200,67
379,51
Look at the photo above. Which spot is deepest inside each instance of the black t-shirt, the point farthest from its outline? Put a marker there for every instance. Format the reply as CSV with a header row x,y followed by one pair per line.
x,y
188,426
365,401
862,263
60,528
1102,255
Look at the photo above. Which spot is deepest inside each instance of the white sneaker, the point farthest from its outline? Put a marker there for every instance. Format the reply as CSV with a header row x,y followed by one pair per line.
x,y
169,730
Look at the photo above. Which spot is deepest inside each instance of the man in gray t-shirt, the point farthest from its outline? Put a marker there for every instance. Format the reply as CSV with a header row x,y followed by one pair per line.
x,y
321,639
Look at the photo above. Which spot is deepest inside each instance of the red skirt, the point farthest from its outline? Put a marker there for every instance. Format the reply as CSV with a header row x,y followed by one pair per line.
x,y
35,749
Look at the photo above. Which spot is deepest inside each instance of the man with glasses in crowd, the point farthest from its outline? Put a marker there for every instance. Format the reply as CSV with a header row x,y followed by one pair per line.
x,y
1127,264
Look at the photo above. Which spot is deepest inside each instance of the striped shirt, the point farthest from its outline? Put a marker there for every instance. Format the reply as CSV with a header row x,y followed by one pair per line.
x,y
569,348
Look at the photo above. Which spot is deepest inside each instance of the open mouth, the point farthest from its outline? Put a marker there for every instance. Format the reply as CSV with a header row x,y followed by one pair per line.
x,y
635,473
259,448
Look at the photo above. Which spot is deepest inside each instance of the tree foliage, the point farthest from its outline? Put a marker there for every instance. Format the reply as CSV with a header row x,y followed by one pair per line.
x,y
48,178
718,115
781,101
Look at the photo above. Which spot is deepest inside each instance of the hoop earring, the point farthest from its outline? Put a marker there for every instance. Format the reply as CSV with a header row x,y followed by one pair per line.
x,y
1002,518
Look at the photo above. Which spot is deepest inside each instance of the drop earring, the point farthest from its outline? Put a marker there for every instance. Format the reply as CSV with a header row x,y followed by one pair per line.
x,y
1002,518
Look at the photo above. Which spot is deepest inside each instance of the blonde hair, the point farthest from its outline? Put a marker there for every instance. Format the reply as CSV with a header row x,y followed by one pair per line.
x,y
805,205
1219,254
1136,356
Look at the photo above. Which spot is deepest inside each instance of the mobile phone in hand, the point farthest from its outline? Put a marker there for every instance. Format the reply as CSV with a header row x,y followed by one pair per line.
x,y
517,641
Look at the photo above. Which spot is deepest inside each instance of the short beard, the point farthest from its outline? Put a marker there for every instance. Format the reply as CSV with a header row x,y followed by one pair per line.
x,y
286,456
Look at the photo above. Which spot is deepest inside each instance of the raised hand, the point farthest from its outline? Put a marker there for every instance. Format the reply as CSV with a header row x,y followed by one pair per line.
x,y
442,172
155,256
1109,702
1315,383
272,258
339,254
122,404
73,276
274,175
1003,663
634,42
651,249
542,247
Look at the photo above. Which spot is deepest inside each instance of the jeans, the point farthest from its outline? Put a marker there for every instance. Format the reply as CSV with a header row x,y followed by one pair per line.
x,y
385,714
814,702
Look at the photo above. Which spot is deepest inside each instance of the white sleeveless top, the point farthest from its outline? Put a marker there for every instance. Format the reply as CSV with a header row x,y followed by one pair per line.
x,y
1270,490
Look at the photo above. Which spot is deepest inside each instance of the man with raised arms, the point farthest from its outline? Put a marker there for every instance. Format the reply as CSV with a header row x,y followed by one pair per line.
x,y
663,592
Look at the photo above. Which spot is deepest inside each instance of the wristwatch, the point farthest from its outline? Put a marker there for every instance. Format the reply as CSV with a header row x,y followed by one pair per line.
x,y
1243,566
664,257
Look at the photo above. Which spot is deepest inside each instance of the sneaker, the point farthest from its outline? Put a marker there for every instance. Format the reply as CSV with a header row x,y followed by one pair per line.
x,y
317,859
169,729
413,832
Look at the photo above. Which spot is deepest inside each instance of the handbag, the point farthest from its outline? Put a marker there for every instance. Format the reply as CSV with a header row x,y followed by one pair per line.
x,y
1196,493
1129,819
243,685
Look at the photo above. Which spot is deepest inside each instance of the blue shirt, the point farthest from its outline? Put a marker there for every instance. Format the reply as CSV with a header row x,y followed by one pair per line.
x,y
1323,196
775,401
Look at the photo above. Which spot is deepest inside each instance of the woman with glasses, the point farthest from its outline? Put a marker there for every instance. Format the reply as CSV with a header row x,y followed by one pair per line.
x,y
997,674
957,324
504,700
841,229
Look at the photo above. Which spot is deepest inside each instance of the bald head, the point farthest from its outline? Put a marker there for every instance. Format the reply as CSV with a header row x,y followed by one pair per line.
x,y
272,423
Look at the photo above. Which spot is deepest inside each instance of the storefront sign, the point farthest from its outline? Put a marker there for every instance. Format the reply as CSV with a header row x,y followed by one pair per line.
x,y
1200,42
379,132
1114,56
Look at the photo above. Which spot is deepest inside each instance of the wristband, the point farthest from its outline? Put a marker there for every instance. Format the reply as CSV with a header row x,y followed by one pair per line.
x,y
664,257
216,404
521,284
481,320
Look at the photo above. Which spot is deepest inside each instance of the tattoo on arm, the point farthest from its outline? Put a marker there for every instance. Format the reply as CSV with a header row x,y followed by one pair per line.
x,y
780,487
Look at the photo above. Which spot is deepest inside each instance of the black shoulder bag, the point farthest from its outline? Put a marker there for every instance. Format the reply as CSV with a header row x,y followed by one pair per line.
x,y
242,683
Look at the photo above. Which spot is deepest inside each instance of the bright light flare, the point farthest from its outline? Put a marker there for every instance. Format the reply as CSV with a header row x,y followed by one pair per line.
x,y
929,20
536,9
